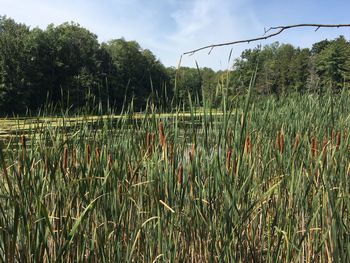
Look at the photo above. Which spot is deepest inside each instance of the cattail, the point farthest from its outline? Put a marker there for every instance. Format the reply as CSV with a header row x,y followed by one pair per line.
x,y
24,141
338,140
19,167
234,165
314,147
110,161
171,152
164,141
65,159
98,154
161,133
281,142
248,145
192,152
24,146
180,175
296,143
130,172
191,156
228,159
120,190
88,153
191,183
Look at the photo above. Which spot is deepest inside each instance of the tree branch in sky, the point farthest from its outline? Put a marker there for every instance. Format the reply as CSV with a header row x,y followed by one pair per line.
x,y
273,31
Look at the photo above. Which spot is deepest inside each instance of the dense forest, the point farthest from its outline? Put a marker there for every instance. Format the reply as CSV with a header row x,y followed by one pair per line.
x,y
65,65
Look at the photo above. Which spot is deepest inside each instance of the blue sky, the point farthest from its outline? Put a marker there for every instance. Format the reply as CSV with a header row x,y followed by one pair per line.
x,y
170,27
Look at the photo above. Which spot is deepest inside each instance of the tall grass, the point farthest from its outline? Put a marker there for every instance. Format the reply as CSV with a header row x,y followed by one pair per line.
x,y
266,181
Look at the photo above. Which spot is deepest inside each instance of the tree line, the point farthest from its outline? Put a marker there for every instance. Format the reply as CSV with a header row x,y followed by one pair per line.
x,y
283,68
66,65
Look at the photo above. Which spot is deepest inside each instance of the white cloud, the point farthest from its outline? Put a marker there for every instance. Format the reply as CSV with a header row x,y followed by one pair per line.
x,y
204,22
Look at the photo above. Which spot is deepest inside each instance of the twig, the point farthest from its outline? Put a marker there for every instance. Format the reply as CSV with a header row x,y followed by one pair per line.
x,y
279,29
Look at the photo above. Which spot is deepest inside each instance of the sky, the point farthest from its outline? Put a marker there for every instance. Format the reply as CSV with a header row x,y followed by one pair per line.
x,y
171,27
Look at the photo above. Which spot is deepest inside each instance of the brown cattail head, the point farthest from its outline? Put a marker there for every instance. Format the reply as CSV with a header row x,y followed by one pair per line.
x,y
314,147
191,183
20,167
23,141
248,145
192,152
130,172
281,142
120,190
161,133
278,140
24,145
338,140
296,143
65,159
164,141
191,156
98,154
234,165
110,161
228,159
180,175
171,152
88,153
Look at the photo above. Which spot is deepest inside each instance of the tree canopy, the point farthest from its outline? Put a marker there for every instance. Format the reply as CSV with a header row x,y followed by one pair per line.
x,y
66,65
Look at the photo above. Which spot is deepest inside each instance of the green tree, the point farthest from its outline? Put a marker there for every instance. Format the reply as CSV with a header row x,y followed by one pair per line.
x,y
74,64
135,73
13,93
331,64
188,86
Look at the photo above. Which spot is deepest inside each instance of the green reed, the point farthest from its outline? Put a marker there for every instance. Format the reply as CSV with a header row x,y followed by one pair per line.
x,y
266,180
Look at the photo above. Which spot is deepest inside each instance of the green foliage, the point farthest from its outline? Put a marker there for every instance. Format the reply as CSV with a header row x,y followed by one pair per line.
x,y
188,85
134,73
332,64
284,69
66,66
13,92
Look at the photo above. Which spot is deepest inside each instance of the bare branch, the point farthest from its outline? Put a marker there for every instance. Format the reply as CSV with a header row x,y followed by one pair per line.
x,y
278,30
